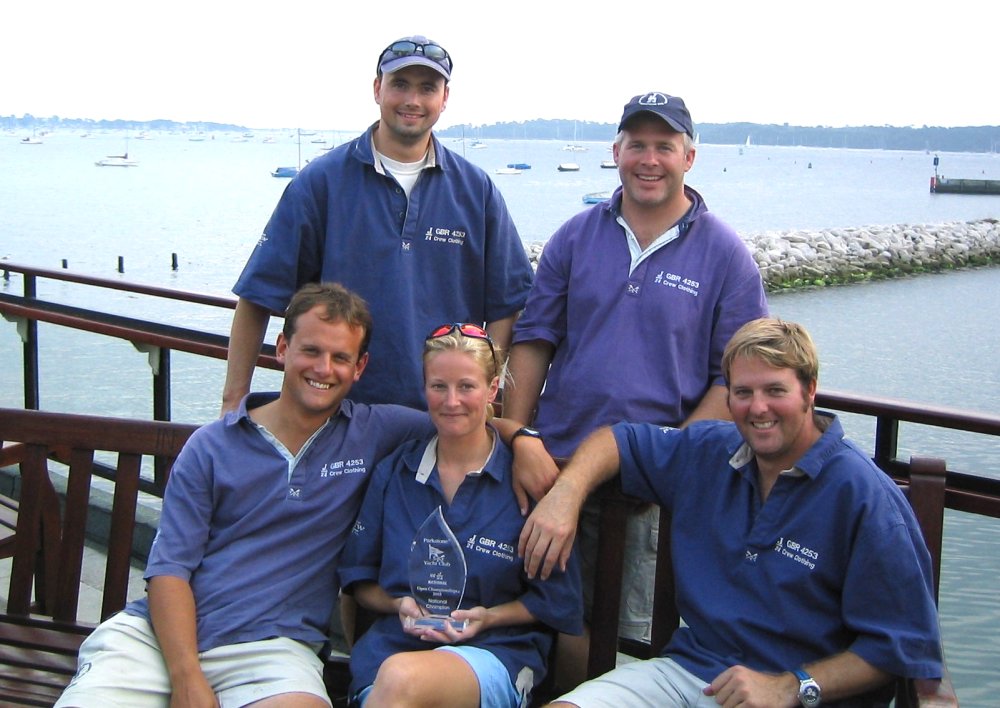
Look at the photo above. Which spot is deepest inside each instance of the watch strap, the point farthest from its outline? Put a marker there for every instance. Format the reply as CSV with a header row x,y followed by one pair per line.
x,y
526,431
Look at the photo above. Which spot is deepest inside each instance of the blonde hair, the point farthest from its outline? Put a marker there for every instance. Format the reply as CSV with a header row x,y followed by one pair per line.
x,y
779,344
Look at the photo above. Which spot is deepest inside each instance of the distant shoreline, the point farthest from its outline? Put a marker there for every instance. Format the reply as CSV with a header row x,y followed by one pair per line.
x,y
979,139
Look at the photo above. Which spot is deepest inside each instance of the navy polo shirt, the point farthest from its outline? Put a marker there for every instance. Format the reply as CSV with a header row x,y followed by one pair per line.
x,y
832,561
451,253
485,518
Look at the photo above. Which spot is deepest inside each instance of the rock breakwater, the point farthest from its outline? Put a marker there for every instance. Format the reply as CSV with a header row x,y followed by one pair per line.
x,y
793,259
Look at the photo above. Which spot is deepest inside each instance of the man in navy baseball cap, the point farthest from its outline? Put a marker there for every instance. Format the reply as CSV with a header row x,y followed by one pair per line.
x,y
676,283
414,51
670,108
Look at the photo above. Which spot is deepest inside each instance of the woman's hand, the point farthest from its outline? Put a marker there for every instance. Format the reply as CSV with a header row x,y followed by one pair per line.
x,y
476,619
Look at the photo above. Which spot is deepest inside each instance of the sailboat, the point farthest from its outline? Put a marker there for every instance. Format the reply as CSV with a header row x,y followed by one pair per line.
x,y
118,160
291,171
575,146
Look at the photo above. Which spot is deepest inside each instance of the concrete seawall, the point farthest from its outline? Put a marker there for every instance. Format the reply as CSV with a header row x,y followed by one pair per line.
x,y
790,259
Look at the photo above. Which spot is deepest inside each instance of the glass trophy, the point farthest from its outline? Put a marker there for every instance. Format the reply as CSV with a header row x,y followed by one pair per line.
x,y
437,574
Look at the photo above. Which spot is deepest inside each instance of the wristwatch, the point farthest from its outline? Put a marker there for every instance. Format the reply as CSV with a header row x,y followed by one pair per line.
x,y
810,694
529,432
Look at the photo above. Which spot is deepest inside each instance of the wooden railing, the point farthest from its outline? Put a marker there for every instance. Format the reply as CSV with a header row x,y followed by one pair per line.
x,y
974,491
152,338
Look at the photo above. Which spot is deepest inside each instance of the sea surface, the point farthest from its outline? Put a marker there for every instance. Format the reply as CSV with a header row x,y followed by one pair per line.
x,y
932,338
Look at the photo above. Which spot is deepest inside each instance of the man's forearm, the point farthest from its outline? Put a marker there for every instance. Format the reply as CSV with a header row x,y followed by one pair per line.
x,y
245,339
172,613
547,537
500,332
845,675
527,368
712,406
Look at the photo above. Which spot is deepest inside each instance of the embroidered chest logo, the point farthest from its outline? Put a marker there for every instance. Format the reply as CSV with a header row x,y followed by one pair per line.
x,y
672,280
793,550
455,237
491,547
337,468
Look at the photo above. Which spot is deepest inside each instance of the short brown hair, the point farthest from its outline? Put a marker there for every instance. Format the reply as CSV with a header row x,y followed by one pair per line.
x,y
338,302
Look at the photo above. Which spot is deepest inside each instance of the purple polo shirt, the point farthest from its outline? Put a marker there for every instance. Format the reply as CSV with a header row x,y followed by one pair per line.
x,y
642,346
260,548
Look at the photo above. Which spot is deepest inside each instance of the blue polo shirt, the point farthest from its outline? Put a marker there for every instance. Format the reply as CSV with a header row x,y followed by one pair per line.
x,y
451,253
663,324
484,516
257,536
833,561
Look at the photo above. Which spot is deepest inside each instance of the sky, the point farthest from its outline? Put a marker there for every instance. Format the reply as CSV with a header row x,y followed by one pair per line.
x,y
310,64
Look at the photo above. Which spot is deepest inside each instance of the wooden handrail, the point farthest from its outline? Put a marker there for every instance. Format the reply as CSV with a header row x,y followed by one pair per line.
x,y
965,491
122,285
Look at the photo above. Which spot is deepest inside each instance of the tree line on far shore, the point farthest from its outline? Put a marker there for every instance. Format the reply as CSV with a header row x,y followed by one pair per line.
x,y
929,138
965,139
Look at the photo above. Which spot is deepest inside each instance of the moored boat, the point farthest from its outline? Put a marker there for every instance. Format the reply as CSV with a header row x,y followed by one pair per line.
x,y
596,197
117,161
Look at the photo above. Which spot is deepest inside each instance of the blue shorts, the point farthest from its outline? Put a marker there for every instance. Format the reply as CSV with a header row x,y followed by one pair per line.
x,y
495,688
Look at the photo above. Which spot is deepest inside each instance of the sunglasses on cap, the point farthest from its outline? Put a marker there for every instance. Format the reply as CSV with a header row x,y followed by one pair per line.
x,y
466,329
406,48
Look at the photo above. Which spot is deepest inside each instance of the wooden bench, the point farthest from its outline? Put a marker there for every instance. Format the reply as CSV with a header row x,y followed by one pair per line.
x,y
10,454
925,491
40,631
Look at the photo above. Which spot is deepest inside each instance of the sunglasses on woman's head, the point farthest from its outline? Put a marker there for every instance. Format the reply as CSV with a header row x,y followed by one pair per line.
x,y
466,329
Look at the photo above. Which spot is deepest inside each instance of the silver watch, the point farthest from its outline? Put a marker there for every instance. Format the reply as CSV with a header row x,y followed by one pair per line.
x,y
810,694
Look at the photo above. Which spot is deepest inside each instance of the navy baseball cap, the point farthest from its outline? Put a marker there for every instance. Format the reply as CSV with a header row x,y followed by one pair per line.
x,y
414,51
670,108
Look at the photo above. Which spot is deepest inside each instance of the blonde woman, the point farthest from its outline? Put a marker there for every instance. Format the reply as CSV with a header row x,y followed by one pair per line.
x,y
465,469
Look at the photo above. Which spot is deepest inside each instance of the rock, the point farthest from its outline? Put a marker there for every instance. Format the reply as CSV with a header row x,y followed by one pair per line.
x,y
848,254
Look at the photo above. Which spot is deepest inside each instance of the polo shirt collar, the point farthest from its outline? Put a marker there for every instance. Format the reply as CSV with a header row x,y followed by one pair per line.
x,y
255,400
368,152
810,464
428,460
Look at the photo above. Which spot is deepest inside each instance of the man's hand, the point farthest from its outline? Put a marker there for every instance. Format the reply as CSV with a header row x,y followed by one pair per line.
x,y
193,693
740,686
534,471
548,534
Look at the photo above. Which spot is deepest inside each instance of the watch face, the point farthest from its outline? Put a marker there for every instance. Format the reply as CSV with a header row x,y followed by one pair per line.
x,y
809,694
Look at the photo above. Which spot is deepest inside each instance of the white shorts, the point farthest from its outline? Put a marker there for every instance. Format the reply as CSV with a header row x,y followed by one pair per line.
x,y
656,683
121,666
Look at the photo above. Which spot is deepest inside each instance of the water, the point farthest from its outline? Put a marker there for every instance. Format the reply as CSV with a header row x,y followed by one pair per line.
x,y
930,339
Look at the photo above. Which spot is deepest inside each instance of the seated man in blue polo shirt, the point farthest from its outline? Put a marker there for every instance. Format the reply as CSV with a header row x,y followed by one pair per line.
x,y
801,571
242,573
